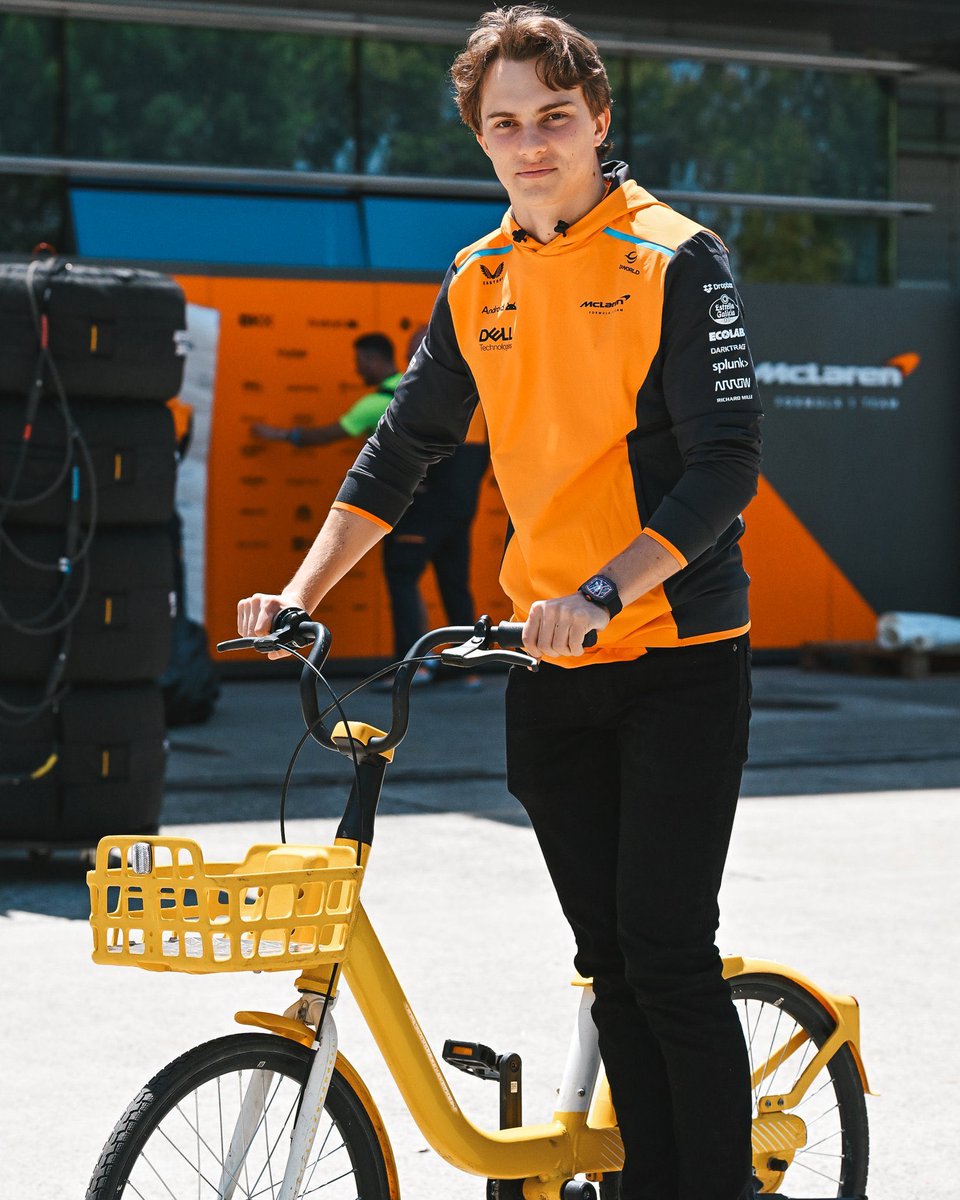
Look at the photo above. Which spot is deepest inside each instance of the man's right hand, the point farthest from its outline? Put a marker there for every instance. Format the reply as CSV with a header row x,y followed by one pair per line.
x,y
255,614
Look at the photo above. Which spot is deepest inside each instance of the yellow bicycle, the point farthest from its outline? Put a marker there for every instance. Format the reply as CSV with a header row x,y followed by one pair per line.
x,y
280,1113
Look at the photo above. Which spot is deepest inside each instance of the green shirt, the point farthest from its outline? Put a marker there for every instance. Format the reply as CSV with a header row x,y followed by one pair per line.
x,y
362,418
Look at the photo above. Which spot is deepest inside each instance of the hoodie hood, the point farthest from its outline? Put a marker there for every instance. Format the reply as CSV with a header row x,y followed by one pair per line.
x,y
623,197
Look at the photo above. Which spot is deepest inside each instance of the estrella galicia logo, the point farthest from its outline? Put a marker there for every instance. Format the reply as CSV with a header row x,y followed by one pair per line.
x,y
498,337
725,310
606,306
493,276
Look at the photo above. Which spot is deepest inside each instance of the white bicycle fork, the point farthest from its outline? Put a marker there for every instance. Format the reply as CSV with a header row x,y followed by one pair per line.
x,y
305,1127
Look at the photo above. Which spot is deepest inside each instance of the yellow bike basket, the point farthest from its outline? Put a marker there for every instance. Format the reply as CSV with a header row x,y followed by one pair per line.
x,y
162,908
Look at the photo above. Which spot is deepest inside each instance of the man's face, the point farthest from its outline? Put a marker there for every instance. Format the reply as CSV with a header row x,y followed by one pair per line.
x,y
371,367
542,143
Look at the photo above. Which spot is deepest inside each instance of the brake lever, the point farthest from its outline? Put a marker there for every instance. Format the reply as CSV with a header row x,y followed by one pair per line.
x,y
283,639
286,637
474,651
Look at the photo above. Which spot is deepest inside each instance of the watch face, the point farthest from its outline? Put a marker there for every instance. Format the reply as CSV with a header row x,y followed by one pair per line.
x,y
600,589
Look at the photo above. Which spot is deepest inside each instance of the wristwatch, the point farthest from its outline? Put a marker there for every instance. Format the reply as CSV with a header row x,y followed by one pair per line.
x,y
601,590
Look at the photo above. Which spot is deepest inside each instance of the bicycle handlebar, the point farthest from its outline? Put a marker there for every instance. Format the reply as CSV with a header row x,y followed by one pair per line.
x,y
292,628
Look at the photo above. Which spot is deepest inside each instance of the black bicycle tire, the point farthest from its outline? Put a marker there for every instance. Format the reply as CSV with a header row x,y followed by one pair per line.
x,y
843,1071
204,1063
799,1003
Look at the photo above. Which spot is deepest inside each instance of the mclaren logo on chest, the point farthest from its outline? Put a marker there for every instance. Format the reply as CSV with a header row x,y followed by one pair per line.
x,y
606,306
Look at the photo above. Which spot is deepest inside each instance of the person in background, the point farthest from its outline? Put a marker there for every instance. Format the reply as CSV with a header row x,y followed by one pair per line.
x,y
435,530
375,360
436,527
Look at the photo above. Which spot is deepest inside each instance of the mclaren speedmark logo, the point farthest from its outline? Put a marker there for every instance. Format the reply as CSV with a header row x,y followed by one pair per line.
x,y
891,374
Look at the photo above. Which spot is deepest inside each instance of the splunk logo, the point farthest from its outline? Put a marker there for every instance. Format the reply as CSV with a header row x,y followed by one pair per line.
x,y
891,374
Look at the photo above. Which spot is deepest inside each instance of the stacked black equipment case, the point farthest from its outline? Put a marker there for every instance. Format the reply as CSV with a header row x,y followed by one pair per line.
x,y
88,358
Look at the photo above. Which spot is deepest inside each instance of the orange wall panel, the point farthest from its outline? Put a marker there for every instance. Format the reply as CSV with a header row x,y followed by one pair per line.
x,y
798,593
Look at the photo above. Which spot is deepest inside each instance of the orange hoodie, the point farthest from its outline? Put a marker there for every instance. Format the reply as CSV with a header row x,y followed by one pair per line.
x,y
618,390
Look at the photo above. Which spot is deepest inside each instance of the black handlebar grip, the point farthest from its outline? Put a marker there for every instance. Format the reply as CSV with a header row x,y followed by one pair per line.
x,y
509,635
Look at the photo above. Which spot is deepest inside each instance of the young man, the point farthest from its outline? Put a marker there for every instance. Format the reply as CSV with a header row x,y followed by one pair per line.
x,y
602,332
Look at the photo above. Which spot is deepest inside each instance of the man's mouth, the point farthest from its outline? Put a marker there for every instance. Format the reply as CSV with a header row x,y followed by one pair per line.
x,y
534,172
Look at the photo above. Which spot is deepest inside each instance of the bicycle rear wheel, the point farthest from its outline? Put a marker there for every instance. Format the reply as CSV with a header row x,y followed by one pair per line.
x,y
179,1136
821,1147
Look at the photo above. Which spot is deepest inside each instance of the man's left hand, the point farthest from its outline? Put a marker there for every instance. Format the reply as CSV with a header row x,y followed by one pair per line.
x,y
556,628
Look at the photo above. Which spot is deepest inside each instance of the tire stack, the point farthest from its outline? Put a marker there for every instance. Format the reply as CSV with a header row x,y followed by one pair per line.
x,y
88,358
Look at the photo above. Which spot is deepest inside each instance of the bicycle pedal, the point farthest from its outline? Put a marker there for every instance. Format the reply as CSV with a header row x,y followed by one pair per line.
x,y
472,1057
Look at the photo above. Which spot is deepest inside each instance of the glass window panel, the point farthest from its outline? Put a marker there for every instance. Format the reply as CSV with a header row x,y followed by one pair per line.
x,y
33,210
157,93
409,121
798,247
29,85
731,127
918,122
951,124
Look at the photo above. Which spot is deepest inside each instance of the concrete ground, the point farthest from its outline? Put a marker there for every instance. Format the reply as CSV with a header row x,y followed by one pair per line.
x,y
843,864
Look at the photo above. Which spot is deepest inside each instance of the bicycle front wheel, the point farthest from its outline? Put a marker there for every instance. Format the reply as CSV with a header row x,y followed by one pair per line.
x,y
217,1121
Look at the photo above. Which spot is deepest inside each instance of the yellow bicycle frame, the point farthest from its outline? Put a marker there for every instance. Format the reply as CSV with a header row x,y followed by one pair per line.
x,y
543,1155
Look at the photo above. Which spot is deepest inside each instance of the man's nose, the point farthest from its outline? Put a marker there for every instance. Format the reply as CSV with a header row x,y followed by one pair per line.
x,y
532,141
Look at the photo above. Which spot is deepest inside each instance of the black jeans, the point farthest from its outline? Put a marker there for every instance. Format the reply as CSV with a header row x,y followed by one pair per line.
x,y
630,773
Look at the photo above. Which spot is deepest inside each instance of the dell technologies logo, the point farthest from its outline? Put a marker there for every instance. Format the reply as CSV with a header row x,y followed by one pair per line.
x,y
497,338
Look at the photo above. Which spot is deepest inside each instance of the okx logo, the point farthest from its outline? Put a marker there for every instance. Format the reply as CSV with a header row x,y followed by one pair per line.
x,y
497,338
493,276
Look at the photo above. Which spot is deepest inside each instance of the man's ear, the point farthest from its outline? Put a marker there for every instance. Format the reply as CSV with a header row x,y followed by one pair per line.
x,y
483,144
601,127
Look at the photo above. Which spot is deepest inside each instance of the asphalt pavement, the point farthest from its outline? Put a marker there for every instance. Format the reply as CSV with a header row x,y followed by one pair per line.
x,y
844,863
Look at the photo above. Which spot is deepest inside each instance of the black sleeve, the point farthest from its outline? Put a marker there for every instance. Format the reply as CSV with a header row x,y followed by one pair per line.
x,y
710,391
426,420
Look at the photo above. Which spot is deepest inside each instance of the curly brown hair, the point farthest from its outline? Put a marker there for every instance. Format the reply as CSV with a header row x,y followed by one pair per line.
x,y
566,58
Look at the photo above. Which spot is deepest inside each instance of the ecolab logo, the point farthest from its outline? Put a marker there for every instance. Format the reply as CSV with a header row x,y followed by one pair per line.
x,y
891,374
